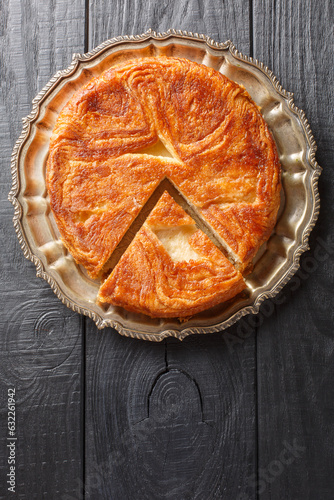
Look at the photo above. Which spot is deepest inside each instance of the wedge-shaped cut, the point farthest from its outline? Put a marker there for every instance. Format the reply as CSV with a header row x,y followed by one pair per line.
x,y
148,279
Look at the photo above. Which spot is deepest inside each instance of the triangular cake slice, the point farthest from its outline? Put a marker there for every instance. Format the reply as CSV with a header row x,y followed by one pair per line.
x,y
171,268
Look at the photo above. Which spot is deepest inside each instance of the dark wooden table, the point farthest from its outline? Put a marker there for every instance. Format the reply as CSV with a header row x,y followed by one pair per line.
x,y
241,415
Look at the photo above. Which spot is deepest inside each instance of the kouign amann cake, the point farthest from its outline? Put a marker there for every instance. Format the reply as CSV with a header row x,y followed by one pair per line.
x,y
118,138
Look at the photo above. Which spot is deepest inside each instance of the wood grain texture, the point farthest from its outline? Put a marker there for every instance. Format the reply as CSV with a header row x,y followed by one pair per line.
x,y
40,342
40,357
219,20
173,420
222,416
169,420
296,344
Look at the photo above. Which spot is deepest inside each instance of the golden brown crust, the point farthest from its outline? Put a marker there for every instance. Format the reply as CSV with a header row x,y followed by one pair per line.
x,y
224,160
147,280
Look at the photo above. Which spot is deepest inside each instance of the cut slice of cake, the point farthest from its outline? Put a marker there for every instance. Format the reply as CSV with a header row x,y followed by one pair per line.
x,y
171,268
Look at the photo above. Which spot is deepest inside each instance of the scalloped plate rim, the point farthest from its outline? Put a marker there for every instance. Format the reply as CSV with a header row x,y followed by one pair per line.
x,y
28,121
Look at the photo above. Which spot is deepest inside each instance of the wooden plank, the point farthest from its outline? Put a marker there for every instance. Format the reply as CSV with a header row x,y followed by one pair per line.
x,y
40,342
170,420
173,419
221,371
120,374
295,344
219,20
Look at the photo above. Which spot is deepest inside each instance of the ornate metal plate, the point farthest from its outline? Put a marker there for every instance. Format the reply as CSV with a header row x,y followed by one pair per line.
x,y
276,261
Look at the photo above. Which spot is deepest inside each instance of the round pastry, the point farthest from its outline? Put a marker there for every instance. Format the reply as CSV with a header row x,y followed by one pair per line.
x,y
114,143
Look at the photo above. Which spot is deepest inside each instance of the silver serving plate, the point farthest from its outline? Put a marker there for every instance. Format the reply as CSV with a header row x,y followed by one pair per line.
x,y
276,261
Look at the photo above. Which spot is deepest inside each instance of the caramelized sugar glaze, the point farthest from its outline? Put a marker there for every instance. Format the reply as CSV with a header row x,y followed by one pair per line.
x,y
119,137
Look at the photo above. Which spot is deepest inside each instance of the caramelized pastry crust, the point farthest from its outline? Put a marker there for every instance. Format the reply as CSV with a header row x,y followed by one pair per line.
x,y
104,164
149,280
